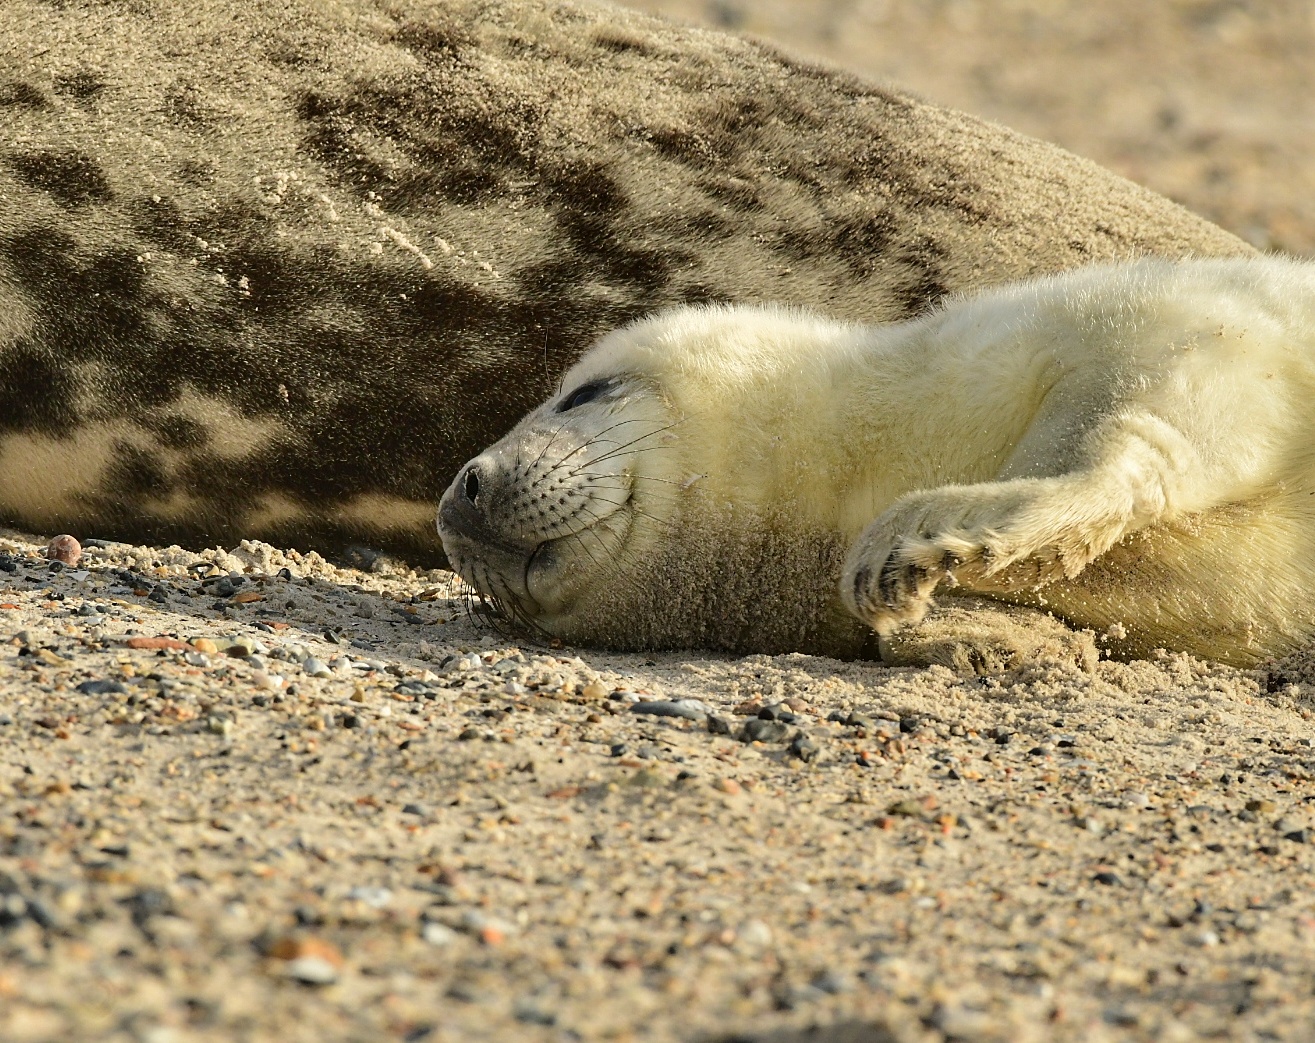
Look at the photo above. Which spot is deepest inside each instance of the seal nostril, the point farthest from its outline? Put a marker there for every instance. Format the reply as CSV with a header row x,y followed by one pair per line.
x,y
470,486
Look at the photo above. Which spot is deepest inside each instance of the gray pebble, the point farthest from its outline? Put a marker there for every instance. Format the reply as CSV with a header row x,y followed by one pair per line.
x,y
718,725
758,730
689,709
530,1013
316,667
803,748
102,687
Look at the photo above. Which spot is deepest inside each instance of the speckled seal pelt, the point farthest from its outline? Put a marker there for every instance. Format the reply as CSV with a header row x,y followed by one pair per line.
x,y
275,269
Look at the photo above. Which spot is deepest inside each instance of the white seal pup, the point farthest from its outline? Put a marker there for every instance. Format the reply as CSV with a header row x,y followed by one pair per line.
x,y
1131,447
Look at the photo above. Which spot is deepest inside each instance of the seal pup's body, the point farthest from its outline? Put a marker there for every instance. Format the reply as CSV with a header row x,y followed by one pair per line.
x,y
1131,447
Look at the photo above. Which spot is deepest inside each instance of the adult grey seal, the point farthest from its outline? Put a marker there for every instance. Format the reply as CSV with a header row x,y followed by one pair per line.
x,y
275,268
1126,446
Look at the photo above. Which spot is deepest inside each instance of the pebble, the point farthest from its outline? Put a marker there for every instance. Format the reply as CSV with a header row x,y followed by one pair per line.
x,y
270,682
438,934
374,897
196,659
220,725
205,645
315,667
718,725
689,709
312,970
65,549
758,730
803,748
755,933
102,687
595,689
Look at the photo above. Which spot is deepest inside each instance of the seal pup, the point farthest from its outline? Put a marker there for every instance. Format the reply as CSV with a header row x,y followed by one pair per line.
x,y
1130,447
288,302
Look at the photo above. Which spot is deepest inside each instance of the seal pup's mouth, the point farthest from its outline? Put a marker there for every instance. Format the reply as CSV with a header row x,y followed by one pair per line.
x,y
524,559
549,572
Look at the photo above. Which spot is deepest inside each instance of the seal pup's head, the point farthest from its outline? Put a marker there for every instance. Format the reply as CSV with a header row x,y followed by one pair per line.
x,y
658,499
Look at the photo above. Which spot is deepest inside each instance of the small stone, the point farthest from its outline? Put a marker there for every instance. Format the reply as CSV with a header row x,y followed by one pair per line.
x,y
1108,879
758,730
199,659
1298,836
595,689
755,934
689,709
312,960
728,786
315,667
619,749
219,725
833,982
270,682
156,643
530,1013
312,970
374,897
65,549
415,809
205,645
803,748
718,725
1260,806
102,687
438,934
468,735
906,809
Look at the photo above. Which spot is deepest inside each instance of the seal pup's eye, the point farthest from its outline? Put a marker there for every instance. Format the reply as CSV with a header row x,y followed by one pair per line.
x,y
584,393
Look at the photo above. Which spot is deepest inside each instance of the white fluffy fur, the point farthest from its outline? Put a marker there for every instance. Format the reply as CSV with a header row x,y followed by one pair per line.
x,y
1129,445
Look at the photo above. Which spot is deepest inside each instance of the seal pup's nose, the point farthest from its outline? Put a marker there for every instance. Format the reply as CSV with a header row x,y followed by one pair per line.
x,y
461,512
468,484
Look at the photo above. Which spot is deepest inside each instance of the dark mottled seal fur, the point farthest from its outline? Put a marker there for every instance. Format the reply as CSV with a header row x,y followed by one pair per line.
x,y
275,269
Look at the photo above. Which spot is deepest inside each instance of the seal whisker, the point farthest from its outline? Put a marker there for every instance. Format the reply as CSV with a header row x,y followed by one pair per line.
x,y
594,440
